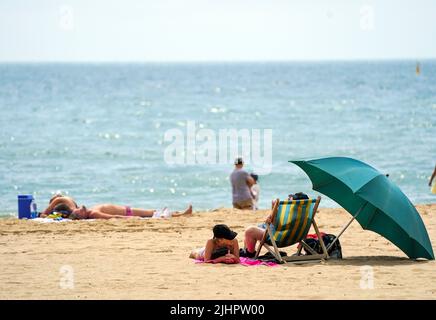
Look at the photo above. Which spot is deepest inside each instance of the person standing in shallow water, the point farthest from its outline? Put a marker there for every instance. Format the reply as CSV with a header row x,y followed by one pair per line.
x,y
241,183
433,190
255,191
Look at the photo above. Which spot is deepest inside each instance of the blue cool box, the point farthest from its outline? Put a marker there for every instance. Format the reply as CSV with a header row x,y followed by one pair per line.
x,y
24,201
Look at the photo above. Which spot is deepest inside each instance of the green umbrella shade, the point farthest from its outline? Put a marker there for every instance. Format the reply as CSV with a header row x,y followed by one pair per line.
x,y
385,209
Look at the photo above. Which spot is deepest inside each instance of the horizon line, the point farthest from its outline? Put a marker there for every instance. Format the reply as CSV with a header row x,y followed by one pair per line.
x,y
213,61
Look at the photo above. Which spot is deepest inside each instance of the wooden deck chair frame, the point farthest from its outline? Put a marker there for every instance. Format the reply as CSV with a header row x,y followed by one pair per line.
x,y
313,257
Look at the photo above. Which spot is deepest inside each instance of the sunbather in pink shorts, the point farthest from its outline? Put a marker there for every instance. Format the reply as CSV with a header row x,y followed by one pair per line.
x,y
108,211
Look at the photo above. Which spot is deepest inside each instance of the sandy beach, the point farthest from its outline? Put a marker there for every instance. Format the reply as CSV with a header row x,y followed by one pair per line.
x,y
148,259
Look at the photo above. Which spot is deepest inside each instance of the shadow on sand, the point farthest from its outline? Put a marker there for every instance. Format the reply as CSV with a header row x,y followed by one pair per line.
x,y
376,261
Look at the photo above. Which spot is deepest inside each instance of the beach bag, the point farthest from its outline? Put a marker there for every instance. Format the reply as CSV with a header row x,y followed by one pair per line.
x,y
335,252
268,257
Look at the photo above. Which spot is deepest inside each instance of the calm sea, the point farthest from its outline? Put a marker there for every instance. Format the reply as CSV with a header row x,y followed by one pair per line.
x,y
96,131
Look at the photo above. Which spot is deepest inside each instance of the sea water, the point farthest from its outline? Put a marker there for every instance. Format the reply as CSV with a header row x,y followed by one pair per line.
x,y
96,131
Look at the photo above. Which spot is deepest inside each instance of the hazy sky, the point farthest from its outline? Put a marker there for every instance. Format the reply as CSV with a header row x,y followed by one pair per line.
x,y
216,30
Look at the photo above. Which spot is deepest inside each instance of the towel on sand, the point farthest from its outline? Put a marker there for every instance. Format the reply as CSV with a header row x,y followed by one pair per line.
x,y
250,262
49,220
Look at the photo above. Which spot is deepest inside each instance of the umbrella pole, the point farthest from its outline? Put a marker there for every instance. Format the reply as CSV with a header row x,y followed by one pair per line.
x,y
348,224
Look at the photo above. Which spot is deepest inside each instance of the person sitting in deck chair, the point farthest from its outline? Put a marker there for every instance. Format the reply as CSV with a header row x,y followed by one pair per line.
x,y
288,224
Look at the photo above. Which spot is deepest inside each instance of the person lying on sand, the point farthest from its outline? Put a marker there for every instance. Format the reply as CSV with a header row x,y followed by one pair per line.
x,y
109,211
59,199
222,248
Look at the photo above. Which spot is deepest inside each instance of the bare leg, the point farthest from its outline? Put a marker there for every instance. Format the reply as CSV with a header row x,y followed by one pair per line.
x,y
188,211
194,254
252,235
197,254
114,209
143,212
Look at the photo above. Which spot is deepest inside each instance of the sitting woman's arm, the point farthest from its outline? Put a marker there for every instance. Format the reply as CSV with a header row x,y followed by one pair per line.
x,y
268,219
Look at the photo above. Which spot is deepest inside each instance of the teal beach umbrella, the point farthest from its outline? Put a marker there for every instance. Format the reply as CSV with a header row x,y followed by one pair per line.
x,y
373,200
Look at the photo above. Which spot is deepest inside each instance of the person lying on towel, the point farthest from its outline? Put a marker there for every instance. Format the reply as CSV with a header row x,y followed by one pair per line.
x,y
109,211
222,248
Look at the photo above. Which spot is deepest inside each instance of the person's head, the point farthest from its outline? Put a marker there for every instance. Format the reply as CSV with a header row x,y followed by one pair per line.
x,y
254,176
222,235
63,209
79,213
239,162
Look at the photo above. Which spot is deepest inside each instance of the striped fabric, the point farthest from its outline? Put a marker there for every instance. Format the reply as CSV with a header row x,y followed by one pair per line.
x,y
292,222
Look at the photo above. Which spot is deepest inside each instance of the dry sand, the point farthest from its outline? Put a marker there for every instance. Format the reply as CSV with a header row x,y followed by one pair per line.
x,y
148,259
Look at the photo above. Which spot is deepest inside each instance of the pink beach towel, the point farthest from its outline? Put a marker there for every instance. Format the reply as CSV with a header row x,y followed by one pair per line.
x,y
250,262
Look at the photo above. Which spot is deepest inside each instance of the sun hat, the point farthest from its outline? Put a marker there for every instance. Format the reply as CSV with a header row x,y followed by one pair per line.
x,y
223,231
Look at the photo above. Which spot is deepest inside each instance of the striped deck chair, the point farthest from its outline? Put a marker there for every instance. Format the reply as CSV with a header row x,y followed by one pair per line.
x,y
291,222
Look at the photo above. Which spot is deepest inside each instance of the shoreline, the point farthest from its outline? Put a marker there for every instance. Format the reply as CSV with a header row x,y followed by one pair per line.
x,y
148,259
